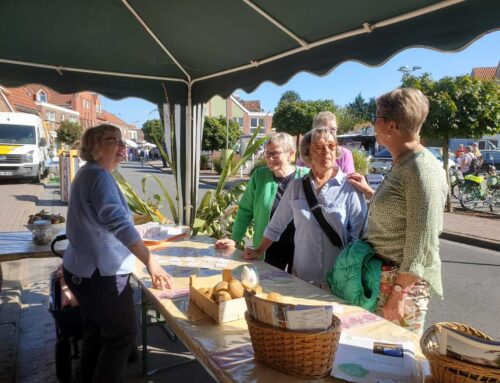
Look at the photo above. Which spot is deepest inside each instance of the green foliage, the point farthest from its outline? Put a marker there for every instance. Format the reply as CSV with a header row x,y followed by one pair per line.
x,y
295,117
203,162
69,132
258,164
461,106
289,96
346,121
217,211
215,133
360,161
138,205
153,131
361,109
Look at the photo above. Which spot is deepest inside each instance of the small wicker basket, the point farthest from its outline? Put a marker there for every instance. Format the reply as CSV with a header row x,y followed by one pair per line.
x,y
450,370
305,354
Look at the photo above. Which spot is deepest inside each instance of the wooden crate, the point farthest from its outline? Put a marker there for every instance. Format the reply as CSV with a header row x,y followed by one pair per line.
x,y
225,311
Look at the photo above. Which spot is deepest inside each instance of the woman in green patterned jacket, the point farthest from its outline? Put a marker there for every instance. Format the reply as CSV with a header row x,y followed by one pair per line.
x,y
406,212
261,198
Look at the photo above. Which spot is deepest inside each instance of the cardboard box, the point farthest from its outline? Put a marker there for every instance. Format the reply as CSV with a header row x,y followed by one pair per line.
x,y
228,311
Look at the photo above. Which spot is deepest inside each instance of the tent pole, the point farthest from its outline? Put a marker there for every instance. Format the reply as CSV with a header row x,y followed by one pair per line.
x,y
188,189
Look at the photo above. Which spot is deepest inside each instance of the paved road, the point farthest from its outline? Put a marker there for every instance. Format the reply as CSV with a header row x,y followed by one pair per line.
x,y
134,174
471,290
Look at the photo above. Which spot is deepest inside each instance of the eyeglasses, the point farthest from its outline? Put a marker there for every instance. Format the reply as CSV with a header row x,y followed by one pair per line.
x,y
116,140
374,118
323,147
273,154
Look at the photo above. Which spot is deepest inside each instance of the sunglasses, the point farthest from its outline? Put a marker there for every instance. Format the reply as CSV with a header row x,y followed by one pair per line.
x,y
116,141
323,147
374,118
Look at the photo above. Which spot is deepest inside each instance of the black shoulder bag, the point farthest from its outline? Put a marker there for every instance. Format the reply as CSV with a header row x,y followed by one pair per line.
x,y
318,214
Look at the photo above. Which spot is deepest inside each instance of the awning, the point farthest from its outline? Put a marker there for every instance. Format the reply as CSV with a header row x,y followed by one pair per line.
x,y
182,52
131,143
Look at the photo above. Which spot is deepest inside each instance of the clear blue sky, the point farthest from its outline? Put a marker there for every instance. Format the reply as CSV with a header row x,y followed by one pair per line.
x,y
349,79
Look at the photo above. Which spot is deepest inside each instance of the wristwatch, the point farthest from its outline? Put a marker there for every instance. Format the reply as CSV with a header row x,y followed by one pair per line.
x,y
398,289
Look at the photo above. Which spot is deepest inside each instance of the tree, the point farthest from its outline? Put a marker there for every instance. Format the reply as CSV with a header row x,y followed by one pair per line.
x,y
69,132
289,96
153,131
346,120
215,133
296,117
462,106
362,110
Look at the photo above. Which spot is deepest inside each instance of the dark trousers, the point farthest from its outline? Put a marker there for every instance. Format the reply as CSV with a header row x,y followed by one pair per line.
x,y
280,258
109,324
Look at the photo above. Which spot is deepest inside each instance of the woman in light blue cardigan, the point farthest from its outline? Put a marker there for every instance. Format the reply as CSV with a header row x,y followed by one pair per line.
x,y
103,246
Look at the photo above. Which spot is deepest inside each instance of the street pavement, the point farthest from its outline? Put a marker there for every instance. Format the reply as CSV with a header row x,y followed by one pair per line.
x,y
27,333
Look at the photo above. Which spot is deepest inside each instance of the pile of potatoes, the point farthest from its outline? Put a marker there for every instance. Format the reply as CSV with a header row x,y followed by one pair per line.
x,y
224,291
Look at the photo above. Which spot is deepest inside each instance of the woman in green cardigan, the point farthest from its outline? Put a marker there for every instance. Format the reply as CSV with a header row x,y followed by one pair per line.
x,y
261,198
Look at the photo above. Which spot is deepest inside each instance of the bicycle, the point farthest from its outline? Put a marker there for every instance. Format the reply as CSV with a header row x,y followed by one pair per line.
x,y
472,194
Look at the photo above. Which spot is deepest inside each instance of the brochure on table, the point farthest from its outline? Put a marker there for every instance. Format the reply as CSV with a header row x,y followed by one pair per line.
x,y
366,360
153,231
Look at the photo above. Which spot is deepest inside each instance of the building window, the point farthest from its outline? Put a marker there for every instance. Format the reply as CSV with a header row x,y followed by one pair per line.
x,y
257,123
41,96
72,118
51,116
98,108
238,120
63,117
86,104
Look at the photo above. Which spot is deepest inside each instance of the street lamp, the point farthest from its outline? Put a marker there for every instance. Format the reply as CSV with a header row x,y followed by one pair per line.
x,y
406,69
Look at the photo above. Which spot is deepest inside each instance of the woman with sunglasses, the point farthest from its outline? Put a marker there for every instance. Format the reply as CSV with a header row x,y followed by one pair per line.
x,y
406,211
343,207
100,257
261,198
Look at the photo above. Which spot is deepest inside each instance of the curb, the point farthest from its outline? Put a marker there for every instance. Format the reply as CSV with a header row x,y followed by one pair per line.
x,y
472,241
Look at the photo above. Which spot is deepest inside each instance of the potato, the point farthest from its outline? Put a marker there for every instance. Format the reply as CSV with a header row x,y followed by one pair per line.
x,y
235,288
275,297
222,296
258,289
223,285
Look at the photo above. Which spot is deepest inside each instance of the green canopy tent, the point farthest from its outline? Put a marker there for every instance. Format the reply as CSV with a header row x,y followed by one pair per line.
x,y
179,53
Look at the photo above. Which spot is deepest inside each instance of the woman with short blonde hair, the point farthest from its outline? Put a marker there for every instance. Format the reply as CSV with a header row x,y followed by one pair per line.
x,y
406,211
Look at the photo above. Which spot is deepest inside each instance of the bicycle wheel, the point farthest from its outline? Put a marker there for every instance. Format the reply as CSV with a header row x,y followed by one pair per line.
x,y
495,201
470,195
455,189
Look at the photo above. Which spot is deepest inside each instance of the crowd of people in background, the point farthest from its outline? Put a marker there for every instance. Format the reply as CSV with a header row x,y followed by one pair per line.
x,y
469,158
142,154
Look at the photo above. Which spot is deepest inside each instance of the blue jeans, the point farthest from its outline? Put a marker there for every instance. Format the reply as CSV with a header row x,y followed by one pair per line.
x,y
109,324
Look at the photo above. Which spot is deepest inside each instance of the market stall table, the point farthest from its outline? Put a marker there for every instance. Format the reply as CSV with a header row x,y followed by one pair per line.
x,y
225,349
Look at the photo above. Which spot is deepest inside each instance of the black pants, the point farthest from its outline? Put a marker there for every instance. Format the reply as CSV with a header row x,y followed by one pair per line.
x,y
109,324
281,259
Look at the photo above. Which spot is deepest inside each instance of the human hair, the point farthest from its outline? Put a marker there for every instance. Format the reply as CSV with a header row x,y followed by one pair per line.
x,y
90,142
313,136
408,107
325,118
469,148
281,139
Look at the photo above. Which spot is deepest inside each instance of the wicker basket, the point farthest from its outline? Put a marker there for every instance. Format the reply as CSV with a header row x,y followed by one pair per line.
x,y
449,370
306,354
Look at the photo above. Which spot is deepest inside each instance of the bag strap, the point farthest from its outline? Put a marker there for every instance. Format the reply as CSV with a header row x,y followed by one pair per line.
x,y
318,214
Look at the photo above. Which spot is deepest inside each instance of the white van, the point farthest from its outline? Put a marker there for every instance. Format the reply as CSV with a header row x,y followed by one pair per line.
x,y
23,146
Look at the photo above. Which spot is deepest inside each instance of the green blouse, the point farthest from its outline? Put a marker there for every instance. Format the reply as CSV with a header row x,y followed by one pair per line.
x,y
406,216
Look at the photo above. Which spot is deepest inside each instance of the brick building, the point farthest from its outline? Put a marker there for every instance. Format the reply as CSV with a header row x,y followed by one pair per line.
x,y
248,114
83,108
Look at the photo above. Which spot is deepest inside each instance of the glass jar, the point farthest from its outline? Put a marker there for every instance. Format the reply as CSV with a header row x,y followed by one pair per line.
x,y
41,232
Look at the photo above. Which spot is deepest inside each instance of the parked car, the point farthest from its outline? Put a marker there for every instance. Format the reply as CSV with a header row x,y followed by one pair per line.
x,y
381,162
